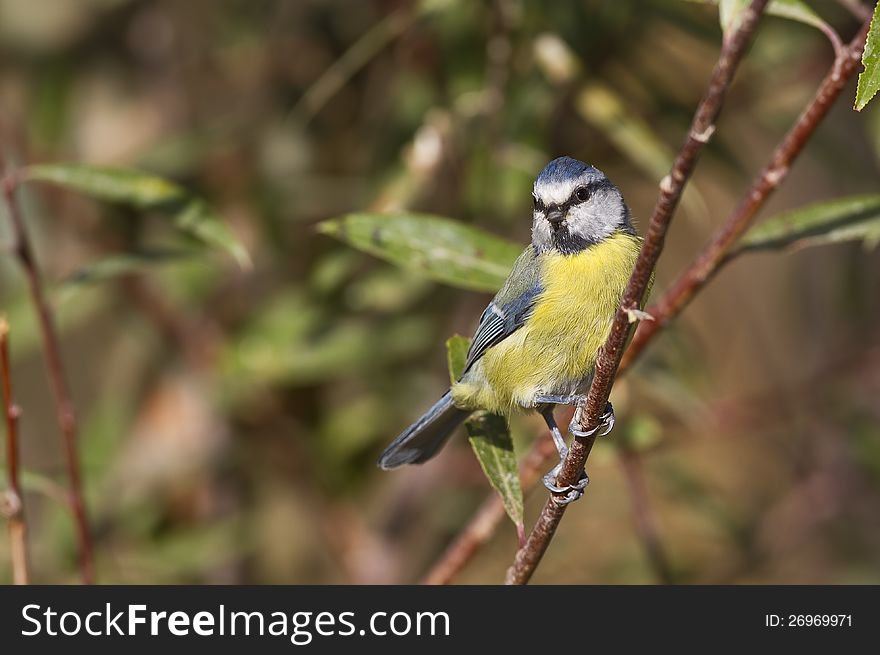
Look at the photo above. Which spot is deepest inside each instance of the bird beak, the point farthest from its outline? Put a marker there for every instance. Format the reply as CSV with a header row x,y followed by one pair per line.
x,y
555,217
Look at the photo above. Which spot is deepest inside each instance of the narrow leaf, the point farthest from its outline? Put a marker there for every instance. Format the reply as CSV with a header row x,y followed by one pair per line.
x,y
439,248
490,439
456,354
798,11
199,220
120,185
730,12
855,218
146,192
869,79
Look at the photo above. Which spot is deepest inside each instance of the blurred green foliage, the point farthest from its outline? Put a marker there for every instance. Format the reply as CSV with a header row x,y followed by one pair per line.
x,y
231,417
855,218
144,192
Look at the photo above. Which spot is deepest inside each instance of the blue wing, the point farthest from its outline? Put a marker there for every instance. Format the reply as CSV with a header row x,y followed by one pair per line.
x,y
509,309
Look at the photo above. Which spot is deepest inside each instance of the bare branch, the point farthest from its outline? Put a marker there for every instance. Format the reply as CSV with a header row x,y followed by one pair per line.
x,y
55,365
671,188
768,180
11,504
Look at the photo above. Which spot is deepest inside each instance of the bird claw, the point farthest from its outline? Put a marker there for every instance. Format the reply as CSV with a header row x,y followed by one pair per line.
x,y
572,491
606,424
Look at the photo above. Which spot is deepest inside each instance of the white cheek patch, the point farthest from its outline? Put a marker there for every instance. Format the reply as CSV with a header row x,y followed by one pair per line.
x,y
596,219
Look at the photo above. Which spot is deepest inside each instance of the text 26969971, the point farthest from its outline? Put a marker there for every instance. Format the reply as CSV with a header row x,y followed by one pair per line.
x,y
808,620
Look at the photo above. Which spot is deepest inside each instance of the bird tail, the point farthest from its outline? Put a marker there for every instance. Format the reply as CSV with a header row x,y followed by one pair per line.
x,y
421,441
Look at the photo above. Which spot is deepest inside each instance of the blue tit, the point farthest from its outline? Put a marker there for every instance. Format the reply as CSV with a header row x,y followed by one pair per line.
x,y
537,341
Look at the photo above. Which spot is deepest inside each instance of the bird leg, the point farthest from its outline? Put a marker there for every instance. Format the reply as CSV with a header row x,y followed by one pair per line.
x,y
558,439
572,491
606,424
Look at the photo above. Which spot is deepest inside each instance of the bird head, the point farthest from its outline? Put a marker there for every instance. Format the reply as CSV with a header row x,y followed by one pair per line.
x,y
576,206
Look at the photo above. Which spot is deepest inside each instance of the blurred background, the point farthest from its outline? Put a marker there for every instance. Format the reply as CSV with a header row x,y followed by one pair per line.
x,y
230,418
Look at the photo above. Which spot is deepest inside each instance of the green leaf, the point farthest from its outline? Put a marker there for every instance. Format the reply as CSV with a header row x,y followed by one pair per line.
x,y
199,220
730,12
120,185
490,439
869,79
456,354
798,11
442,249
146,192
855,218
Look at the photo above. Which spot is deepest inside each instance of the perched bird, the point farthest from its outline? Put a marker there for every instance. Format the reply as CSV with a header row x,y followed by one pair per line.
x,y
537,341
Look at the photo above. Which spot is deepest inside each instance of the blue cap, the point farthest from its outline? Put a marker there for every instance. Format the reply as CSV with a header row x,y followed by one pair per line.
x,y
563,169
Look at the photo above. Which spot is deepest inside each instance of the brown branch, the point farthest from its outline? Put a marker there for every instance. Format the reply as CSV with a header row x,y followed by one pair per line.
x,y
671,188
57,379
715,253
11,503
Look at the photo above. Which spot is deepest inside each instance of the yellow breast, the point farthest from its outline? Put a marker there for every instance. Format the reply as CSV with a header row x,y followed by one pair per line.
x,y
556,349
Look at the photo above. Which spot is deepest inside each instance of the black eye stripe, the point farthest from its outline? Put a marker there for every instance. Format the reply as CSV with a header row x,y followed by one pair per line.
x,y
590,188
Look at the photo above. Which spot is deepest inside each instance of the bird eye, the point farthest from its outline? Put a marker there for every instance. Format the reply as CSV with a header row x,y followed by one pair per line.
x,y
537,203
582,194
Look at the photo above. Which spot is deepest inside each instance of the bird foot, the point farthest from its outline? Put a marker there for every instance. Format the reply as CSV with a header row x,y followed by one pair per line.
x,y
572,491
606,424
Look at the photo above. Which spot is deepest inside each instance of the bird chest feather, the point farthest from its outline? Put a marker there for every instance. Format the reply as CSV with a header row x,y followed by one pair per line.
x,y
556,348
580,297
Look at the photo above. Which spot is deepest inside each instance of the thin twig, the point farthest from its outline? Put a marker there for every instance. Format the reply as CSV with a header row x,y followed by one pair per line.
x,y
11,504
768,180
832,36
646,522
671,188
57,378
